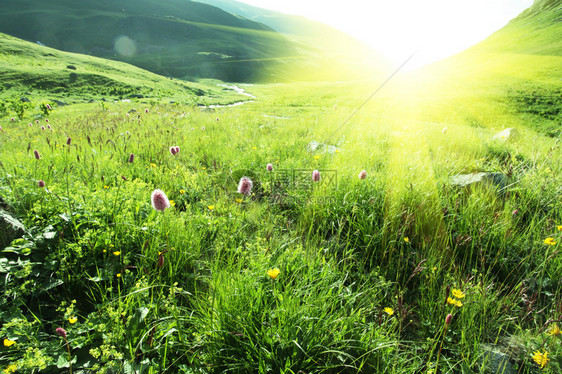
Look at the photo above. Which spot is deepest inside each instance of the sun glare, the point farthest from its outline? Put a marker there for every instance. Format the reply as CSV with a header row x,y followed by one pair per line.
x,y
433,29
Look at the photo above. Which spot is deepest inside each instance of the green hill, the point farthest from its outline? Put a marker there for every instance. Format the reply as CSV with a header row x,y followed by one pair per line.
x,y
538,30
314,35
176,38
39,70
517,70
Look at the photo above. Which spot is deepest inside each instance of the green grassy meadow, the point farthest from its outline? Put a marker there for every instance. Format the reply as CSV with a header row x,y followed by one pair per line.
x,y
399,272
187,290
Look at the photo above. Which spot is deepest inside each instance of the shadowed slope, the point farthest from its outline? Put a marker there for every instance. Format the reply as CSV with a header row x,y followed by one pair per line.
x,y
25,66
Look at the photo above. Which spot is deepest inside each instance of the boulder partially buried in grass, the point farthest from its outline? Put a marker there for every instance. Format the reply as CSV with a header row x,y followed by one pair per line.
x,y
10,229
506,135
494,360
496,180
317,147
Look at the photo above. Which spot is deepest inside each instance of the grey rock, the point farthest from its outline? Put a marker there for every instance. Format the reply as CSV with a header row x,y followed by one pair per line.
x,y
506,135
314,146
25,100
497,180
495,361
10,229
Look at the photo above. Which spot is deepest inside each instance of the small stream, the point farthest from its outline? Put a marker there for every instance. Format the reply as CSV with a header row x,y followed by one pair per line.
x,y
237,90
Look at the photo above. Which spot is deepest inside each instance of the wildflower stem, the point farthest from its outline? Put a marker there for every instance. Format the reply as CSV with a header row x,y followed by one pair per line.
x,y
69,355
440,348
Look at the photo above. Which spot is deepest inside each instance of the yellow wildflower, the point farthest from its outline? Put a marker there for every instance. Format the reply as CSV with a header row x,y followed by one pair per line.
x,y
549,241
406,239
182,192
104,251
106,187
559,227
388,311
554,330
72,320
153,165
541,358
254,148
10,369
457,293
273,273
172,203
118,275
317,157
454,302
239,200
8,342
211,207
117,253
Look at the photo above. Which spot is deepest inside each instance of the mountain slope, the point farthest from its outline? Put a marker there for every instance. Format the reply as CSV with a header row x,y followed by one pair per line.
x,y
39,70
534,39
327,39
177,38
516,71
537,30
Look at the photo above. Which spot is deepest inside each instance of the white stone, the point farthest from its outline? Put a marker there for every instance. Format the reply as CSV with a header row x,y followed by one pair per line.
x,y
506,135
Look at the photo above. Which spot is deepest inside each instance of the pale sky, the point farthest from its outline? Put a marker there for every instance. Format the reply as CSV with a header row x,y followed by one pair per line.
x,y
397,28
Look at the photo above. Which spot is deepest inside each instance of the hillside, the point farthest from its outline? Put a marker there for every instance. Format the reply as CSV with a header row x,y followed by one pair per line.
x,y
301,29
39,70
515,70
536,31
177,38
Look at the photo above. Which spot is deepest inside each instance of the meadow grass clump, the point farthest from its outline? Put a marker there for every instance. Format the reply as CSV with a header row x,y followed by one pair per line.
x,y
295,321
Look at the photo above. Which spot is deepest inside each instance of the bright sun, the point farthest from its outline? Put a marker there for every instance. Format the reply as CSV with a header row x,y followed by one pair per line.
x,y
434,28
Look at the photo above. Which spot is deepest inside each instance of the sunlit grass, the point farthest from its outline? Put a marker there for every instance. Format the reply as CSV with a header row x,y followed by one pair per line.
x,y
364,269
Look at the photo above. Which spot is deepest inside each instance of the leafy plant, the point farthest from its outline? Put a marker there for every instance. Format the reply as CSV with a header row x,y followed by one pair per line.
x,y
3,108
46,108
19,107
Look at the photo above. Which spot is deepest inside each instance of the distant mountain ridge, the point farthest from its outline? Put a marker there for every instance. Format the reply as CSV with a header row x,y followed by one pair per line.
x,y
178,38
322,36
